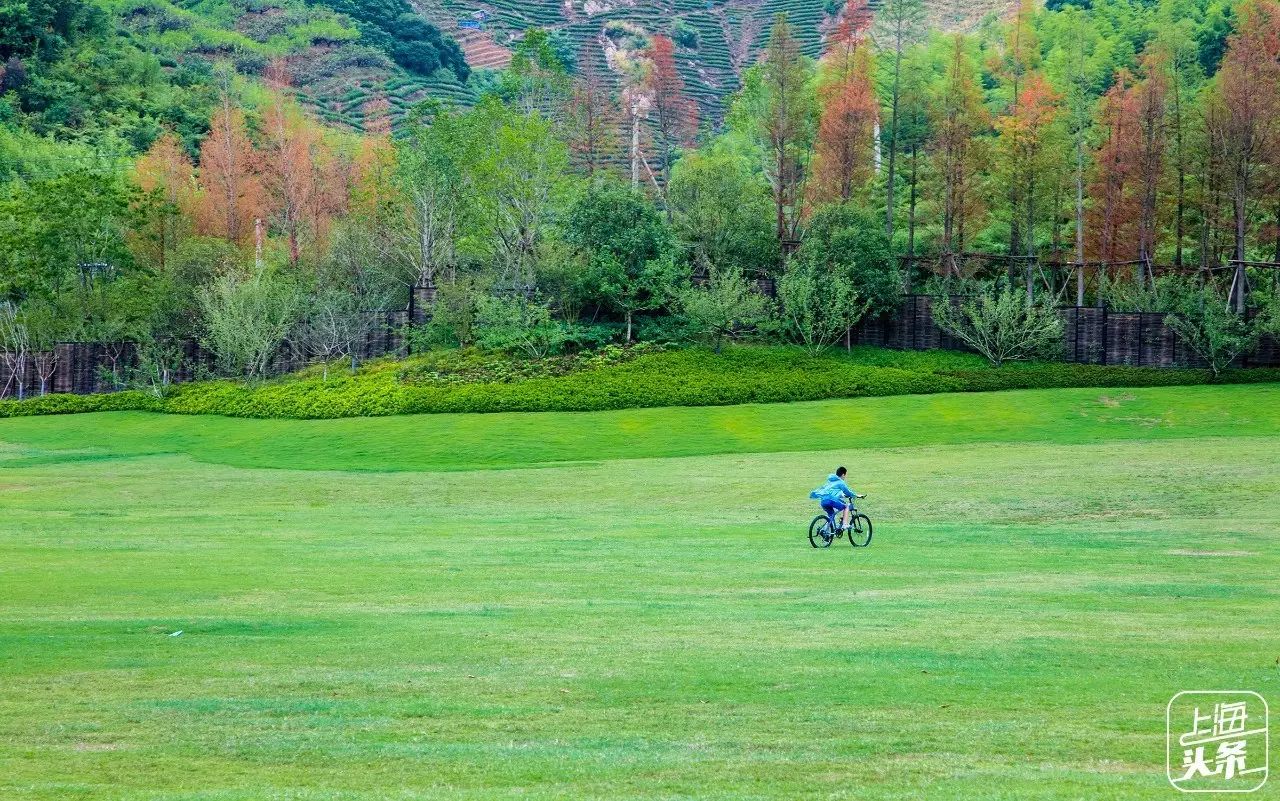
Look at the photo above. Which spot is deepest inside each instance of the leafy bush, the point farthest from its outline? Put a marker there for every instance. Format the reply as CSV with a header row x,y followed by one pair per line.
x,y
723,308
616,378
850,241
518,325
998,322
818,305
1202,318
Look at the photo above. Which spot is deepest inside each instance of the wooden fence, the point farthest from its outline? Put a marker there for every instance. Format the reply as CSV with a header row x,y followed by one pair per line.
x,y
86,367
1090,336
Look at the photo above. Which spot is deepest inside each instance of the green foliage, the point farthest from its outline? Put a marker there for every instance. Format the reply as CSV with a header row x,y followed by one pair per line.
x,y
625,245
49,227
518,325
724,307
848,242
472,381
1203,319
996,321
684,34
722,213
819,304
43,27
247,319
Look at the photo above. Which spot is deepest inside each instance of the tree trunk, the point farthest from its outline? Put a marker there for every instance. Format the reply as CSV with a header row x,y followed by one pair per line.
x,y
635,148
891,173
1080,217
1241,193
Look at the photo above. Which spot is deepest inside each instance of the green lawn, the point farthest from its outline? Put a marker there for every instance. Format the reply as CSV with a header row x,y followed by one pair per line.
x,y
623,605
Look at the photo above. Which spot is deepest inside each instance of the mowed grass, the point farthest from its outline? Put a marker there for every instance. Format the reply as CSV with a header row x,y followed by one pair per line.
x,y
623,604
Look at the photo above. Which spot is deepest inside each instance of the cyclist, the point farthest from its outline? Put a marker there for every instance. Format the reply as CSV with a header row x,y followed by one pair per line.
x,y
835,496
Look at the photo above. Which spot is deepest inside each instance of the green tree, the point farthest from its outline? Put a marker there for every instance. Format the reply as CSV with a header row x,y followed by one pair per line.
x,y
899,24
848,242
521,186
721,211
997,322
626,245
247,318
48,228
724,307
777,110
819,304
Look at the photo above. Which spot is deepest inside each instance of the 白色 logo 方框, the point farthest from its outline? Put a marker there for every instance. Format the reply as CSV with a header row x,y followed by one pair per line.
x,y
1217,741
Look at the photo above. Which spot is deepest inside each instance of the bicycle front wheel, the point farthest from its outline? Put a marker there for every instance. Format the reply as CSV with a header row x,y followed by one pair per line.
x,y
820,532
860,531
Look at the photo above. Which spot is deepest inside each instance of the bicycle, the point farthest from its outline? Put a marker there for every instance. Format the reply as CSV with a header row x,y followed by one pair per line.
x,y
858,529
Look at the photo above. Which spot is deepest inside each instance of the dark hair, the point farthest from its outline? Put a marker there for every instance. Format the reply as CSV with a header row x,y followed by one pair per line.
x,y
840,471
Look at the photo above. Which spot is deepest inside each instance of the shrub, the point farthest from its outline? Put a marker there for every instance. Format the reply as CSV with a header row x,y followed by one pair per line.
x,y
723,308
518,325
998,322
818,305
247,319
850,241
616,378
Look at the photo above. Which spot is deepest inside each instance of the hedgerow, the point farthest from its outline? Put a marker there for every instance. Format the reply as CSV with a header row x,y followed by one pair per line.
x,y
472,382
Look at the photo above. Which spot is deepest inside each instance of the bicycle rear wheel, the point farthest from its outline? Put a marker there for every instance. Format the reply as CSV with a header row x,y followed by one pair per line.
x,y
820,532
860,531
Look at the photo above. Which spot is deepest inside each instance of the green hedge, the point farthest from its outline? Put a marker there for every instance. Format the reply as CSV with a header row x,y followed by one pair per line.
x,y
671,378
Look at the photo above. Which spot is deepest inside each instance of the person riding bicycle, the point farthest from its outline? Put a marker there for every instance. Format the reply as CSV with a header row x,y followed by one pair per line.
x,y
836,496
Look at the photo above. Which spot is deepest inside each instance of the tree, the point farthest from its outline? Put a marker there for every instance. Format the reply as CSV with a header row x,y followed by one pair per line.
x,y
1178,50
914,129
1076,64
1202,318
849,242
46,325
247,318
675,116
520,184
166,176
55,231
593,119
722,308
1246,94
15,344
1026,149
231,194
300,175
1014,65
335,327
436,174
1000,325
819,304
537,80
850,114
1113,216
626,246
722,212
1152,100
957,154
780,103
899,23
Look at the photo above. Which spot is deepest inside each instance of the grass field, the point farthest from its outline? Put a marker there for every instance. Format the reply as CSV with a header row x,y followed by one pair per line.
x,y
623,604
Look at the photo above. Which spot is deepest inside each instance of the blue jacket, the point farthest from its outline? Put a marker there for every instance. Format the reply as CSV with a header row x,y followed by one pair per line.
x,y
834,490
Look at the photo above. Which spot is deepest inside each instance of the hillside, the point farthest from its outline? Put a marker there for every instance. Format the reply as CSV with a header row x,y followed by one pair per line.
x,y
716,39
104,77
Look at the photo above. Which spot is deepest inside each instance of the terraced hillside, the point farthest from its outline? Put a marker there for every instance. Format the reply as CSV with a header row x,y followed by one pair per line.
x,y
716,39
342,65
